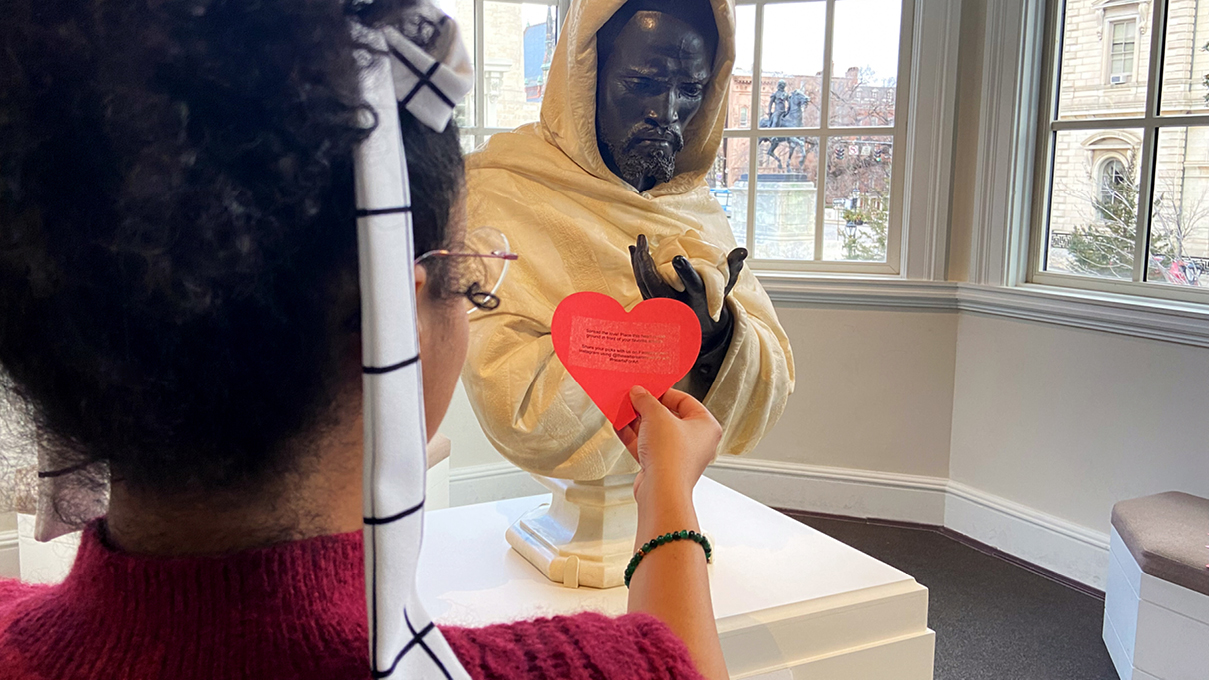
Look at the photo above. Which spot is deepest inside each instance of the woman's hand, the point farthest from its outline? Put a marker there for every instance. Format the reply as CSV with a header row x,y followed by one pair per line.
x,y
673,439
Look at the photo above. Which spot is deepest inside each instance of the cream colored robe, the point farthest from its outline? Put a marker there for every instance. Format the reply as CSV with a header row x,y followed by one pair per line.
x,y
572,221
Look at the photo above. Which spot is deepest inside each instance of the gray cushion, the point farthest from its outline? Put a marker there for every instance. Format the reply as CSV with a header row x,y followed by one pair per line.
x,y
1167,533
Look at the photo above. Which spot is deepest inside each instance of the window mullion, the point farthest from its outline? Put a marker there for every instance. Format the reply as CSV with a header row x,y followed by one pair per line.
x,y
753,122
1150,140
895,213
480,70
1043,180
820,175
1145,192
1130,121
1099,123
863,131
1158,38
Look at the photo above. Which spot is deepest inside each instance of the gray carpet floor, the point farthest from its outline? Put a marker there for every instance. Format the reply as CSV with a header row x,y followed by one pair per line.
x,y
994,620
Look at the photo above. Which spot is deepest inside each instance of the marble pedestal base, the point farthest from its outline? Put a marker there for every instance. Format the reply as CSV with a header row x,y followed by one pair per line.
x,y
584,536
791,603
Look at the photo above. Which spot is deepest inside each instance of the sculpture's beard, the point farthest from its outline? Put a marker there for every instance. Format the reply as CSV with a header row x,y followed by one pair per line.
x,y
637,164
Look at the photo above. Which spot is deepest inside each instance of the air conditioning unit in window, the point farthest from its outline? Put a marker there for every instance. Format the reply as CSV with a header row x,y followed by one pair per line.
x,y
1118,79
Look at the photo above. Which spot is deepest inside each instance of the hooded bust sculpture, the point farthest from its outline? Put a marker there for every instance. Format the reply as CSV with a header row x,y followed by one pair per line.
x,y
607,193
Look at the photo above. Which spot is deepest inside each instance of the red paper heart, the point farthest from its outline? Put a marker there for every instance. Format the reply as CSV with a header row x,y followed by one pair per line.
x,y
608,350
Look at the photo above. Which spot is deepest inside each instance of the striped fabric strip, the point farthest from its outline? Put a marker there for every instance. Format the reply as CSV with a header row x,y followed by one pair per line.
x,y
404,642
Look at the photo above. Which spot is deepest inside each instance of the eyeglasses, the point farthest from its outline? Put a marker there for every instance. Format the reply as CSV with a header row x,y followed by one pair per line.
x,y
476,272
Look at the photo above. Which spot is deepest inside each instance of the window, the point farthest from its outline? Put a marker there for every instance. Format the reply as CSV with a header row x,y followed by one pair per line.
x,y
1120,54
1123,180
511,44
808,177
1113,182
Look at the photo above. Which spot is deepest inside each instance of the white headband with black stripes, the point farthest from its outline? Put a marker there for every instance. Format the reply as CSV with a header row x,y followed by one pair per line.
x,y
427,82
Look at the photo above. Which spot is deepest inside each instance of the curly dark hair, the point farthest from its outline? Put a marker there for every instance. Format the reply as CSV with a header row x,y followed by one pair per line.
x,y
176,223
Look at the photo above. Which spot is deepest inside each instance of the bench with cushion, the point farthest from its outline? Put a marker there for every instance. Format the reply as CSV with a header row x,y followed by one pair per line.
x,y
1156,608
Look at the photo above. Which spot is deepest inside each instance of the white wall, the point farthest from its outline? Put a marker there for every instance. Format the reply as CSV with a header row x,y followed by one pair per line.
x,y
1068,421
874,390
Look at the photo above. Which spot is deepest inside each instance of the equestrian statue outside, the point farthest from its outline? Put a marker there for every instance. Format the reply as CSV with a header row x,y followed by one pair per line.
x,y
785,110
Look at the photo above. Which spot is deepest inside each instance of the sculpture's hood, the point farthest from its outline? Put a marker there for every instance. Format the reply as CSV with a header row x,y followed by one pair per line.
x,y
568,116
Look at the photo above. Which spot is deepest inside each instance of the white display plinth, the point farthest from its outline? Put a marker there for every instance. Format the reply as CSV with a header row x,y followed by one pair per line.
x,y
791,602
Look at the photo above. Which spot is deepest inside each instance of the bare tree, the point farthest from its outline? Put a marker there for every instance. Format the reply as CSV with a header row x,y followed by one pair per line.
x,y
858,99
1175,216
1104,245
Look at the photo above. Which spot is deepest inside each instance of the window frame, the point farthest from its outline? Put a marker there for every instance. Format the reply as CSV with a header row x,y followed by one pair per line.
x,y
479,131
926,102
1151,122
898,132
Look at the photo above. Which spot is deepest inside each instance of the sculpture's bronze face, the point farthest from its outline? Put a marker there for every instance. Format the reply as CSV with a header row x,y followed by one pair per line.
x,y
647,91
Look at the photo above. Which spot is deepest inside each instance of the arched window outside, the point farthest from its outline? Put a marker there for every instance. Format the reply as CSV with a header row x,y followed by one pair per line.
x,y
1112,178
1111,185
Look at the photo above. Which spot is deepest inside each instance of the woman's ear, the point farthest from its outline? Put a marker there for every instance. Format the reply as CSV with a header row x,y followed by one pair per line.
x,y
421,275
421,278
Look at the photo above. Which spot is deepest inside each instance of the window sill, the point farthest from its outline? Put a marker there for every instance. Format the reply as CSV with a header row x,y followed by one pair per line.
x,y
858,290
1166,320
1184,323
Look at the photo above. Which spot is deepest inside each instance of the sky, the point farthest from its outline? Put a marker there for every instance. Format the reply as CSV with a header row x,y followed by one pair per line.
x,y
866,35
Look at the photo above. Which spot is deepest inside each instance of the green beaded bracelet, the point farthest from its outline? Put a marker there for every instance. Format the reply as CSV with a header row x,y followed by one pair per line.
x,y
666,538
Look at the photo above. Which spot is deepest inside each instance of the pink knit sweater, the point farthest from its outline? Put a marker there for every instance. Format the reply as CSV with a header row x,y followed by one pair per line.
x,y
295,610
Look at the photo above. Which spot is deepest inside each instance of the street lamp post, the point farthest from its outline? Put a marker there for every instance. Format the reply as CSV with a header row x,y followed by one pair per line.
x,y
851,225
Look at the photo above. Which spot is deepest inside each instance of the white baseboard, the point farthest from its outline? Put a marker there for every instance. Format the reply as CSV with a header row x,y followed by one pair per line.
x,y
1044,540
835,491
1050,542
